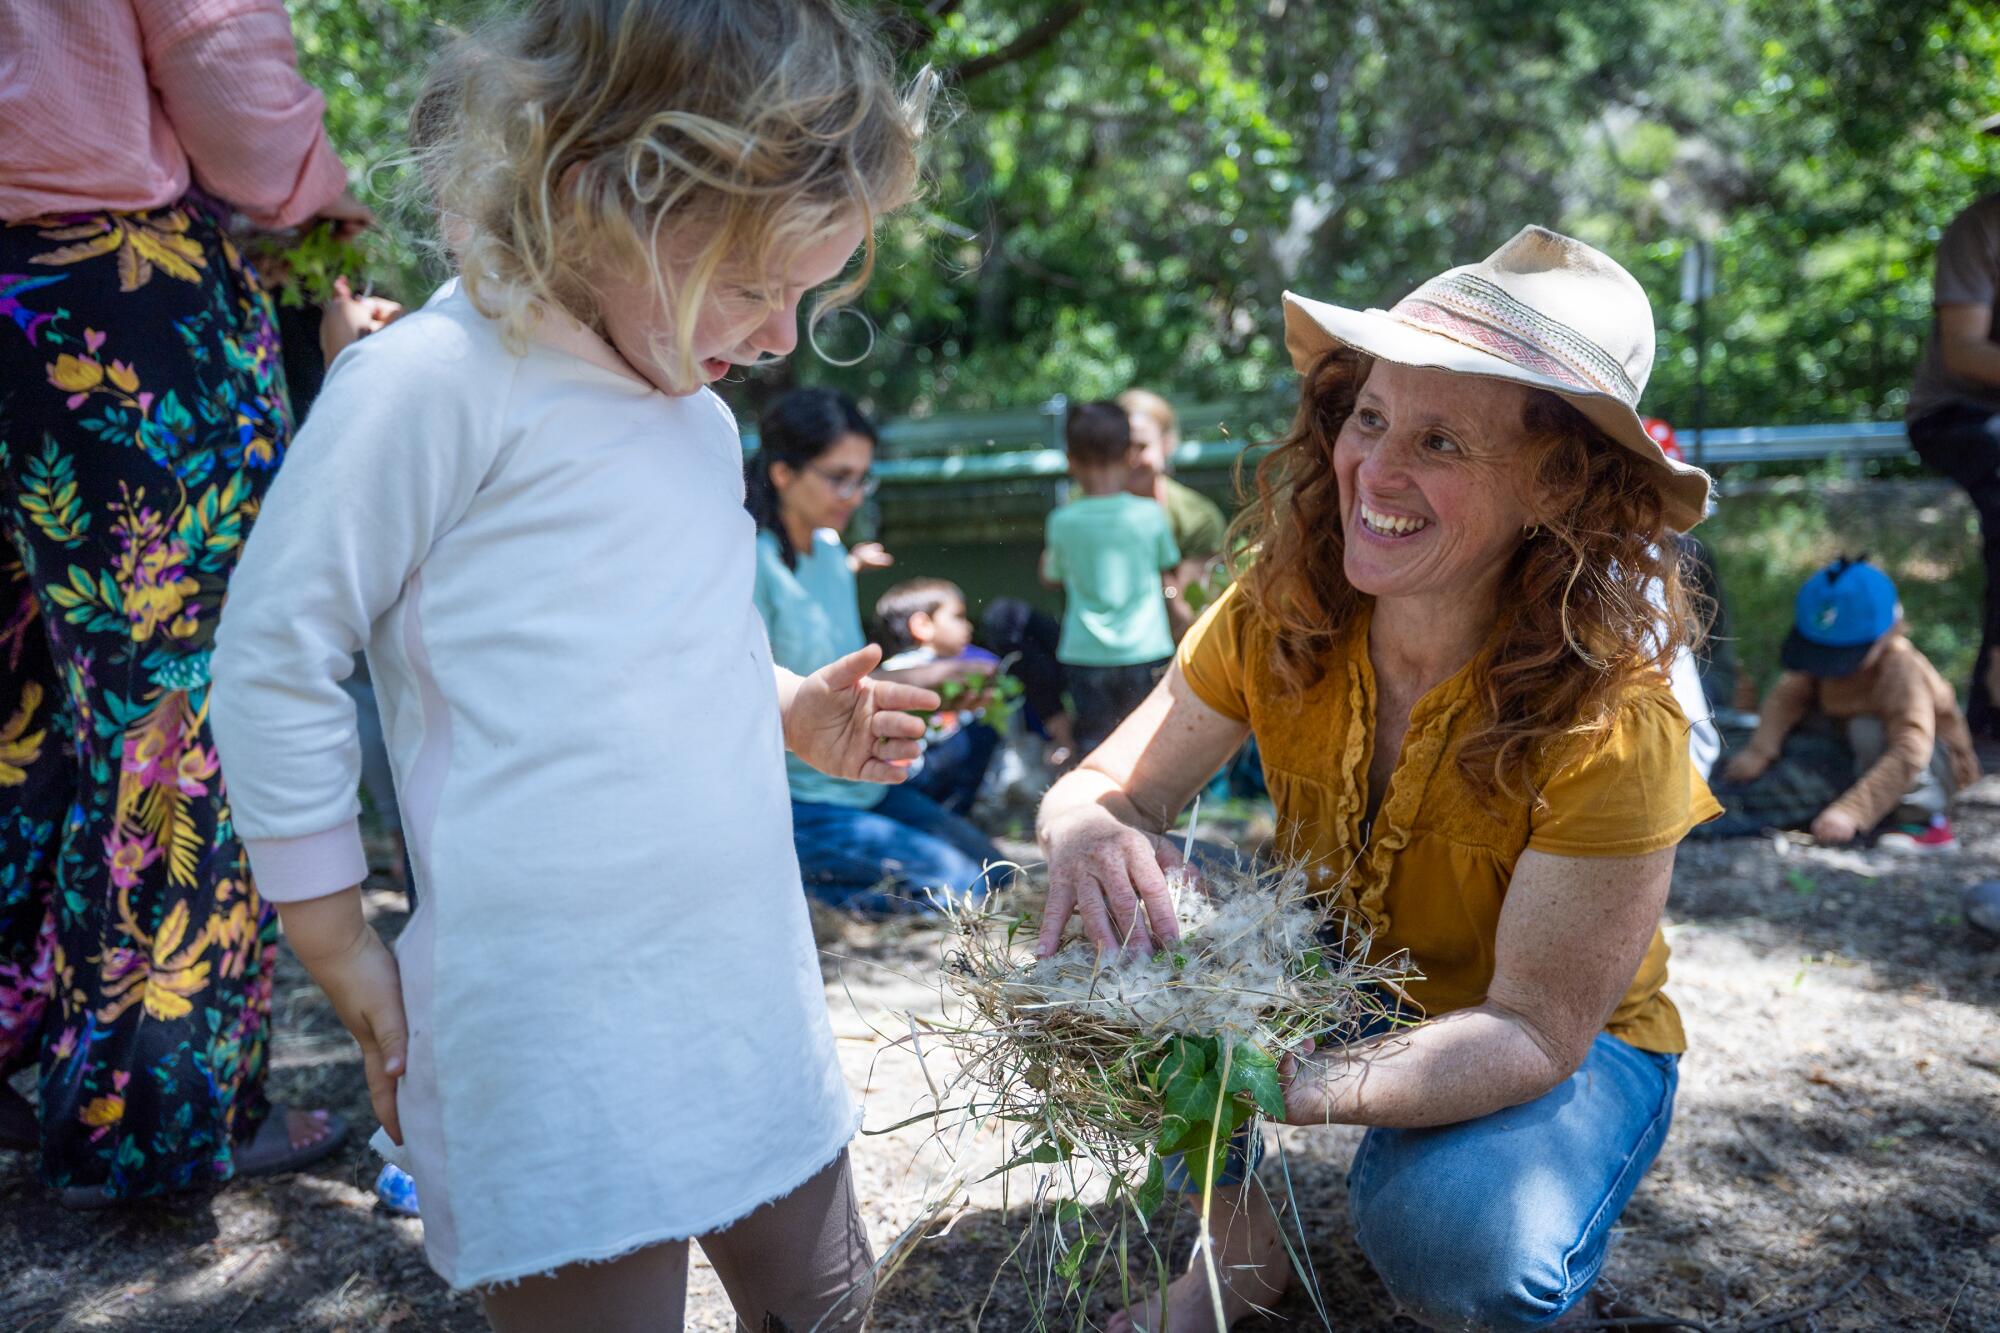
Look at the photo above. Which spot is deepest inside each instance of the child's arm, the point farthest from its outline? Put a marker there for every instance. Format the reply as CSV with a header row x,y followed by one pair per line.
x,y
1957,738
1908,733
391,456
1788,701
843,722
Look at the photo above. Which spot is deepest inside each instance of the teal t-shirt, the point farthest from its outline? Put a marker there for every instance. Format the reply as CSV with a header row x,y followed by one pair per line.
x,y
1108,551
813,616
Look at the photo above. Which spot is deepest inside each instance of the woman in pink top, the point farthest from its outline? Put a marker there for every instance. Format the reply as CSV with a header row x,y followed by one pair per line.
x,y
144,414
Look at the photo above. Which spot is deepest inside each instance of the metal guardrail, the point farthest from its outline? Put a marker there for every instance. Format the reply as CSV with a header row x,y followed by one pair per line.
x,y
1001,446
1796,444
1721,448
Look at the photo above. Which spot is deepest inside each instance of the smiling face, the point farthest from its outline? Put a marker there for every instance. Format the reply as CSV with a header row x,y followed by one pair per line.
x,y
1430,467
736,322
812,494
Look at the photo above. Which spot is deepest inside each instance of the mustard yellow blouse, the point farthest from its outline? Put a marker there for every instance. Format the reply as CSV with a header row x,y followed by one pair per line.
x,y
1432,877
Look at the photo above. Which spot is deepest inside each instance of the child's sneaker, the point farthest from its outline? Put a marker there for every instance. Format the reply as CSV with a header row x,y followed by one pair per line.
x,y
1932,837
396,1191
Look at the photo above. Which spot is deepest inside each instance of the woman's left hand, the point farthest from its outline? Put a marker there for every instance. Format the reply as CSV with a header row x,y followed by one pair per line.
x,y
869,555
843,722
1304,1081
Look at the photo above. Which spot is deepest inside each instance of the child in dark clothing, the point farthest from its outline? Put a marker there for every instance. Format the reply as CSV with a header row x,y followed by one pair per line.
x,y
922,621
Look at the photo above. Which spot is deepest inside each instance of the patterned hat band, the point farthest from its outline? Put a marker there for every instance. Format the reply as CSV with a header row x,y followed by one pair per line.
x,y
1470,310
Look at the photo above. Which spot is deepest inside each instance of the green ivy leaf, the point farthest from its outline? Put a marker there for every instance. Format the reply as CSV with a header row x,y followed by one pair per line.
x,y
1194,1098
1186,1057
1153,1189
1253,1070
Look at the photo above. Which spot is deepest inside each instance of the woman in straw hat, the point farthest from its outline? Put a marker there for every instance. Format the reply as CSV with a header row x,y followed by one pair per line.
x,y
1451,642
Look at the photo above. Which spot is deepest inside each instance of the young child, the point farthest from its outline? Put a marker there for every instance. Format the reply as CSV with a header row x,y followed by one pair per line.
x,y
1110,551
603,1031
921,622
1850,669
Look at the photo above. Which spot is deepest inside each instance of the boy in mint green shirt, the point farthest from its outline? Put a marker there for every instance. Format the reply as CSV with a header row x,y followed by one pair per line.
x,y
1108,549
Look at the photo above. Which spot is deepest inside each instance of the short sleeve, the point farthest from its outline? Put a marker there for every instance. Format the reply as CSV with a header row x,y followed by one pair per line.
x,y
1211,655
1968,260
1635,792
1169,553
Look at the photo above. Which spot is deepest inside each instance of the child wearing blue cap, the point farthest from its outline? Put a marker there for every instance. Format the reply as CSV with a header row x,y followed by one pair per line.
x,y
1850,670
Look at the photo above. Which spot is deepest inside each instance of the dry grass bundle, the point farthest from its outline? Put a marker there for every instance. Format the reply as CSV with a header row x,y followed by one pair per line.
x,y
1116,1064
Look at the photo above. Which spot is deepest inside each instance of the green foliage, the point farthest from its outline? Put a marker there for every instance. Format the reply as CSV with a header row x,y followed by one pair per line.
x,y
1123,192
1204,1111
369,58
999,697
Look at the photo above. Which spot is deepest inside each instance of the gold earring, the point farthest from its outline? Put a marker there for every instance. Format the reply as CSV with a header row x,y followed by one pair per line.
x,y
1532,531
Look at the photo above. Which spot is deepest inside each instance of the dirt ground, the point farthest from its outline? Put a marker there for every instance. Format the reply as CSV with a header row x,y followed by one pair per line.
x,y
1838,1132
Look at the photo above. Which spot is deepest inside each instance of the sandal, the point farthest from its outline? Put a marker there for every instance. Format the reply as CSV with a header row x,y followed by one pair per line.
x,y
269,1153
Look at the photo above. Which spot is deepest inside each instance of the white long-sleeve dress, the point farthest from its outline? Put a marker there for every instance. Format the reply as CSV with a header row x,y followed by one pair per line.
x,y
618,1031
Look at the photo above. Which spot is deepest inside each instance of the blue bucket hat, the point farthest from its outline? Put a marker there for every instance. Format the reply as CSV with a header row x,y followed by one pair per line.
x,y
1838,615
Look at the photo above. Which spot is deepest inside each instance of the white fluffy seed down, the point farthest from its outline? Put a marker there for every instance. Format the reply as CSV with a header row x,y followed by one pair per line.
x,y
1241,943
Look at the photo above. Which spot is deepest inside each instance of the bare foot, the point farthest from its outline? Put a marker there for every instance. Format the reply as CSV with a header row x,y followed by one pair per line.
x,y
1251,1263
288,1141
304,1128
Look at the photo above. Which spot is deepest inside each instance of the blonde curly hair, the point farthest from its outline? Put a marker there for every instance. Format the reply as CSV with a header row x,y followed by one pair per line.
x,y
573,137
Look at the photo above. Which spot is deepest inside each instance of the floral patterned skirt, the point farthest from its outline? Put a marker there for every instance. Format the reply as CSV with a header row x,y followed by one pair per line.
x,y
142,414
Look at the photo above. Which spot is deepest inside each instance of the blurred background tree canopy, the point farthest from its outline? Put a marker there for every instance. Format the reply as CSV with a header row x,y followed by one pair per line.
x,y
1119,193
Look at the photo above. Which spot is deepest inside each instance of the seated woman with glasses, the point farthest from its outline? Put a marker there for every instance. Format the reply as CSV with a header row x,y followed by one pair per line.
x,y
861,845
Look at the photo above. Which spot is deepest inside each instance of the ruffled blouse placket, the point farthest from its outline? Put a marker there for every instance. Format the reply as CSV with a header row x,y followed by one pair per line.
x,y
1365,889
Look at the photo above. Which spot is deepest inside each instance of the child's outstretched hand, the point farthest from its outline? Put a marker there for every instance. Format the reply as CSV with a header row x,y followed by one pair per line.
x,y
845,723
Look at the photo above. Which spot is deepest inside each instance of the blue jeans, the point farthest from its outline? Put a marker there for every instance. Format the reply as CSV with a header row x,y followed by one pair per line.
x,y
883,860
1503,1222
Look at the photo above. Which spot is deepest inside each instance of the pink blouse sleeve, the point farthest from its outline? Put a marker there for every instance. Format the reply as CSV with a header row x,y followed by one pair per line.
x,y
228,76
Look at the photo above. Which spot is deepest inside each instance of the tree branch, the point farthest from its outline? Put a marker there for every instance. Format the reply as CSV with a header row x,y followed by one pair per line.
x,y
1030,40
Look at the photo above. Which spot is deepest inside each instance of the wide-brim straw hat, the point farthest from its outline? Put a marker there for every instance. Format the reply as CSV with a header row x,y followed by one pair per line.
x,y
1543,310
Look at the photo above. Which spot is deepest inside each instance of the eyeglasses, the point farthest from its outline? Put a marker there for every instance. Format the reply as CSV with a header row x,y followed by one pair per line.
x,y
847,485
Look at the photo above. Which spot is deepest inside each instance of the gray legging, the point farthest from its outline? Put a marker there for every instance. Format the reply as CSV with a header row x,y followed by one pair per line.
x,y
1934,786
800,1264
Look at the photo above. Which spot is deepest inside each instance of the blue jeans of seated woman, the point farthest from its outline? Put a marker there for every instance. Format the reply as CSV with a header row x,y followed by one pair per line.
x,y
1503,1222
884,859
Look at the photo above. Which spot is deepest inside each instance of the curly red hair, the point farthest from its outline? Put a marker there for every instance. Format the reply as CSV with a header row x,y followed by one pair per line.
x,y
1591,604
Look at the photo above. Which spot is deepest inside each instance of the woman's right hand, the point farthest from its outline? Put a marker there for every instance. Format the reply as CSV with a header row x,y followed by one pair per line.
x,y
1112,875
